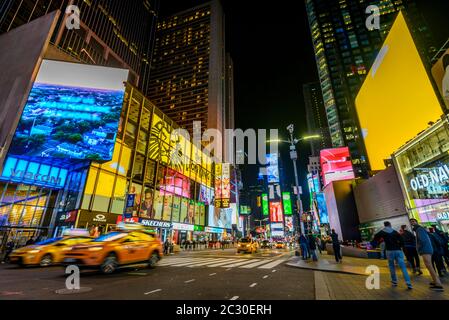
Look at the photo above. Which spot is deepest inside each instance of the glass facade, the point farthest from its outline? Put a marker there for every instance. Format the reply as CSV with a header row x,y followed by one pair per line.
x,y
423,166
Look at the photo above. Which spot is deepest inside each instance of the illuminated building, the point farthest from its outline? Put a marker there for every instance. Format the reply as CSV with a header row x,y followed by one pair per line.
x,y
316,117
423,169
191,75
109,34
345,50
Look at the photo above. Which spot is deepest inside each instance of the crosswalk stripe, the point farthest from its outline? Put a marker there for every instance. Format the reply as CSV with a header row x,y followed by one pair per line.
x,y
186,263
203,264
272,264
233,265
256,264
167,261
176,262
223,263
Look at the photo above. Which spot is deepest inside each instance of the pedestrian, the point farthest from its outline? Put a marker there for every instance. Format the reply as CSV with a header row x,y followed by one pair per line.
x,y
303,243
445,241
425,250
318,244
166,247
438,252
393,246
312,247
9,250
383,253
410,249
336,246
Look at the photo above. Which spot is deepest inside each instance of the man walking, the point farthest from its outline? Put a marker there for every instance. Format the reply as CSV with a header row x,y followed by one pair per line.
x,y
393,245
445,242
425,250
312,247
303,243
336,246
410,249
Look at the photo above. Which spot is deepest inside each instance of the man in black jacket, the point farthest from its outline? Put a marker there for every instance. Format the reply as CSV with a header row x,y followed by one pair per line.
x,y
410,249
393,245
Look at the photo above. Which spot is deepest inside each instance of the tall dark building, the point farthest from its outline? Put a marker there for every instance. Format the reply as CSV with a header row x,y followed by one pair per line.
x,y
191,77
345,50
111,33
316,117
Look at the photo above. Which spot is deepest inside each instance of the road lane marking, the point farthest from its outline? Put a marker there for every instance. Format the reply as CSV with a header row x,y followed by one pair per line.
x,y
256,264
273,264
212,274
189,281
253,285
265,277
274,271
233,265
189,262
154,291
234,298
223,263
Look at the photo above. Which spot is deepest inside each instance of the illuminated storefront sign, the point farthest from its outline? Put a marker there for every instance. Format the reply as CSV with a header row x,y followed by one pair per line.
x,y
155,223
276,214
443,216
435,176
24,171
71,117
222,185
183,227
214,230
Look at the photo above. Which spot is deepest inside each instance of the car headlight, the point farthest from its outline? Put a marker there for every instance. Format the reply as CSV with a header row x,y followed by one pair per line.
x,y
34,251
240,245
67,249
95,249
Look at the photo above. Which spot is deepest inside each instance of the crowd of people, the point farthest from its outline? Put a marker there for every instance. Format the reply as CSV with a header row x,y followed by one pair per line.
x,y
430,244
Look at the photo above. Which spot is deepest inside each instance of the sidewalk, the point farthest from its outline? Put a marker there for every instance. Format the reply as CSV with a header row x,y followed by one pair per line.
x,y
346,281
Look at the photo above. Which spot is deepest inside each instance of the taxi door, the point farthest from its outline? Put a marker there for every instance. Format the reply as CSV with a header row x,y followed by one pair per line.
x,y
134,249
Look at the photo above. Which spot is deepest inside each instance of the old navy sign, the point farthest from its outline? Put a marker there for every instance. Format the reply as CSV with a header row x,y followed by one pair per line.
x,y
438,175
28,172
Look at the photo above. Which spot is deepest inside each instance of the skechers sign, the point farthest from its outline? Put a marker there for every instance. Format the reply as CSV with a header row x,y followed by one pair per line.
x,y
436,176
27,172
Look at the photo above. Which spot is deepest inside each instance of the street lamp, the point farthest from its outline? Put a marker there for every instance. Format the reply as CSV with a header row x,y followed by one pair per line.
x,y
294,156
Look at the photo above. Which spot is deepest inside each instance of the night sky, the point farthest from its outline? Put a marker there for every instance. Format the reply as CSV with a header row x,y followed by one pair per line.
x,y
273,57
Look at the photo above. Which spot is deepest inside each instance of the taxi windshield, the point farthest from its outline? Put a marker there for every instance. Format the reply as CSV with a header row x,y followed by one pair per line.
x,y
245,240
48,241
110,237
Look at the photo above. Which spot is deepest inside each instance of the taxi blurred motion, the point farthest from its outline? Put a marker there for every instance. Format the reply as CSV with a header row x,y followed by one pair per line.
x,y
266,244
129,244
247,245
280,245
48,252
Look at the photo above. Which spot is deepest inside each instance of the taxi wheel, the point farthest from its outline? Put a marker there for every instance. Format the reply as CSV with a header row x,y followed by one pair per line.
x,y
153,260
109,264
47,260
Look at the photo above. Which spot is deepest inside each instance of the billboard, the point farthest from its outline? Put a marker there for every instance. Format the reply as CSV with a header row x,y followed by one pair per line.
x,y
73,112
222,185
440,73
287,202
265,206
336,165
276,213
289,224
277,230
220,218
273,168
397,99
322,209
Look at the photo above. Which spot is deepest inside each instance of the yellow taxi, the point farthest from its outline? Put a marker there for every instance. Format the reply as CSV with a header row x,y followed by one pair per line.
x,y
280,245
117,249
247,245
46,253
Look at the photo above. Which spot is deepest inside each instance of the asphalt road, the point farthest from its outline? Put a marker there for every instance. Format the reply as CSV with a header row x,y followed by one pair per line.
x,y
205,275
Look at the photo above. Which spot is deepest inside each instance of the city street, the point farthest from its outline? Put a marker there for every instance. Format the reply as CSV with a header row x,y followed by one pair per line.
x,y
201,275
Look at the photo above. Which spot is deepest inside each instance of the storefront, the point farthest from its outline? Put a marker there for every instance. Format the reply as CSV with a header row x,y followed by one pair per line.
x,y
65,221
162,228
423,169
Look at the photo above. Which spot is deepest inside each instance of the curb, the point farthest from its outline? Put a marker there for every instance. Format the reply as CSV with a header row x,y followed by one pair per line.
x,y
294,265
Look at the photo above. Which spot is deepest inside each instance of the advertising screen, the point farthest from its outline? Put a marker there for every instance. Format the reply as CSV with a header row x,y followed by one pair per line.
x,y
175,183
322,209
273,168
73,112
277,230
222,185
265,207
397,99
289,224
276,214
336,165
440,73
287,202
220,218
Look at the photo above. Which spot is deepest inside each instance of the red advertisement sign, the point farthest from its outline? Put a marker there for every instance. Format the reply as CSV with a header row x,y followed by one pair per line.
x,y
336,165
276,213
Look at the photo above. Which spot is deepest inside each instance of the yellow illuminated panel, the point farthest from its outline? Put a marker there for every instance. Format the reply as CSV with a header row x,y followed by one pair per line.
x,y
397,100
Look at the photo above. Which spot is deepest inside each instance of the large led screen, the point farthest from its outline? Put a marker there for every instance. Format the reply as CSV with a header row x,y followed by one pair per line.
x,y
220,218
322,209
336,165
397,100
72,112
273,168
276,213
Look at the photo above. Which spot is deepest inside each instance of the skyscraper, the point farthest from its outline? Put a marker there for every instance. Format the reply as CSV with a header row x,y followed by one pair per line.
x,y
191,76
316,117
110,33
345,50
